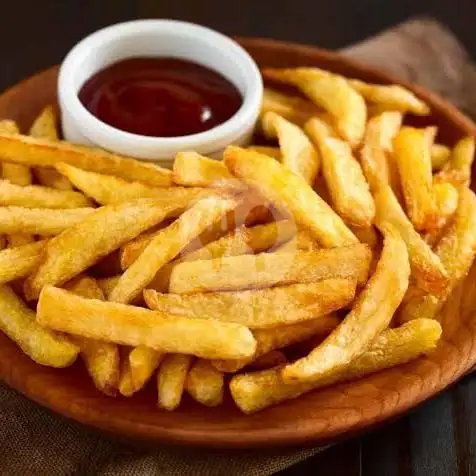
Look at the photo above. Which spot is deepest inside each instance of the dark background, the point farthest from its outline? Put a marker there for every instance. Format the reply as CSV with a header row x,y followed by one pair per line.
x,y
440,437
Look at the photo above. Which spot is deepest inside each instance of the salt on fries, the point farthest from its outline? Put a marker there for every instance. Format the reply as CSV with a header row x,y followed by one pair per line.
x,y
286,265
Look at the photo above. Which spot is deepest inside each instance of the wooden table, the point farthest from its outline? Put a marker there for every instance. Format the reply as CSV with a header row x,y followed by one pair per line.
x,y
440,437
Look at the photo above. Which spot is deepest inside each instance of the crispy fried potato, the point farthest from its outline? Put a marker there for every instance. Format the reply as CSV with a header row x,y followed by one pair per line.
x,y
171,379
368,235
168,244
269,360
40,221
271,269
456,250
458,169
35,196
19,239
345,180
440,154
258,390
128,325
80,246
262,308
413,159
446,199
427,269
8,127
205,383
19,262
371,314
273,152
291,192
108,284
17,321
297,151
391,97
278,338
378,166
30,151
331,92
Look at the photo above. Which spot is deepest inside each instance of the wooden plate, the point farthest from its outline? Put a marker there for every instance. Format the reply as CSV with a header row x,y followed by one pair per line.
x,y
318,417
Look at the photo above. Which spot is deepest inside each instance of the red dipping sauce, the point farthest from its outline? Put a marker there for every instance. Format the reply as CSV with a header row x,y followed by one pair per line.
x,y
160,97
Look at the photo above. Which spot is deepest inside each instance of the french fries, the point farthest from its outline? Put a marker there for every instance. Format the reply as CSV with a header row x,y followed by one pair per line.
x,y
258,390
273,152
440,154
297,152
30,151
457,170
291,192
345,180
446,199
168,244
269,360
19,262
331,92
205,383
270,269
43,346
370,315
113,225
19,239
171,379
129,325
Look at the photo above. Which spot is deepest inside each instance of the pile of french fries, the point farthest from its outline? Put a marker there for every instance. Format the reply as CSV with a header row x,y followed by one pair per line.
x,y
320,258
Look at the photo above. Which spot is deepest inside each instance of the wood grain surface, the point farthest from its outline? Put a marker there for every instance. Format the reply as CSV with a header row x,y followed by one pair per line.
x,y
318,417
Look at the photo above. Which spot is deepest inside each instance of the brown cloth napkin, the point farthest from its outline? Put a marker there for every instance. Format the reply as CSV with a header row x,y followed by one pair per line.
x,y
35,441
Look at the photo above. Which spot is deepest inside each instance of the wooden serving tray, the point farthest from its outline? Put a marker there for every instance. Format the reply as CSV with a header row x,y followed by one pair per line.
x,y
317,417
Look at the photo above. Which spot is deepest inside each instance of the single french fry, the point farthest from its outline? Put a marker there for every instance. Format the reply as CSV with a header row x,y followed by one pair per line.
x,y
273,152
269,360
457,170
440,154
168,243
205,383
370,315
258,390
31,151
391,97
43,346
80,246
171,379
297,151
19,262
427,269
456,250
345,180
291,192
413,158
40,221
19,239
274,338
8,126
129,325
368,235
108,284
331,92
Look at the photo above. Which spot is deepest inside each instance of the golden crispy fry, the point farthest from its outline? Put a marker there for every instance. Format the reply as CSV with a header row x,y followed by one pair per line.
x,y
331,92
80,246
195,170
377,164
258,308
19,239
19,262
108,284
278,338
458,169
109,190
8,127
270,269
413,159
138,368
128,325
273,152
368,235
85,286
427,269
40,221
298,153
290,192
294,108
456,250
17,321
35,196
370,315
205,383
258,390
167,245
171,379
302,241
391,97
345,180
30,151
446,198
269,360
440,154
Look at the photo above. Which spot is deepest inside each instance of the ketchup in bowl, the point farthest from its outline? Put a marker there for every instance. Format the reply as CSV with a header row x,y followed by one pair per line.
x,y
160,97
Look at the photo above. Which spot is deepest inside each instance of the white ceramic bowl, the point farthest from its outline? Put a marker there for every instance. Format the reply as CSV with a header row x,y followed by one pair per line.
x,y
156,38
